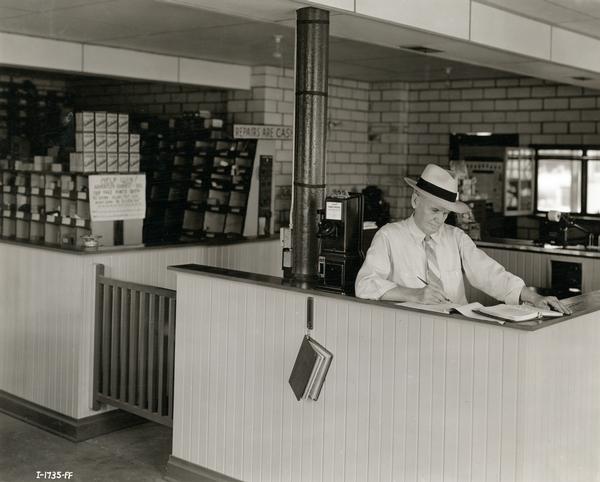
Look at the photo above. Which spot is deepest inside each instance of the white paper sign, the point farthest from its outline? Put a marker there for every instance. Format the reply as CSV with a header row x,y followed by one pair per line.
x,y
333,210
117,196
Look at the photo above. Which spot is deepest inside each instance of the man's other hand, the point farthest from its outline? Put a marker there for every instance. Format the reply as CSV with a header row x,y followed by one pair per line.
x,y
544,302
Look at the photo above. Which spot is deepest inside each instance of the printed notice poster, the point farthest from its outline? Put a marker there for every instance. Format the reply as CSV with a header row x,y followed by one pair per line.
x,y
114,197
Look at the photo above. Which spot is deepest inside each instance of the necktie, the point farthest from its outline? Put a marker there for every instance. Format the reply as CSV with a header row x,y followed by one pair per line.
x,y
433,269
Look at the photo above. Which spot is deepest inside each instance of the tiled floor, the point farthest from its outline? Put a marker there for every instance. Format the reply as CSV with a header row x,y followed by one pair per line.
x,y
135,454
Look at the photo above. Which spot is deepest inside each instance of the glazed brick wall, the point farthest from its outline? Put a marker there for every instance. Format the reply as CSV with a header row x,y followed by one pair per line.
x,y
156,98
541,112
378,132
271,101
388,146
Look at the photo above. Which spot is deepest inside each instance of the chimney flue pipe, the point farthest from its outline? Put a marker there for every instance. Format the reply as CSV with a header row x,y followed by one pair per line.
x,y
312,57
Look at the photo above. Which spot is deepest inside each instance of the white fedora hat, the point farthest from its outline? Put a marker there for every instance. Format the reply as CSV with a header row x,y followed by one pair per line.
x,y
440,187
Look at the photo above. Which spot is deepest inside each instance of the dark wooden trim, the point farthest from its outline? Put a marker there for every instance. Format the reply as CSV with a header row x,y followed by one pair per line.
x,y
73,429
98,334
179,470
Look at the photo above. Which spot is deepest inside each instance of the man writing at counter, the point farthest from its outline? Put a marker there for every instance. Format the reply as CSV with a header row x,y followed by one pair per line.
x,y
422,259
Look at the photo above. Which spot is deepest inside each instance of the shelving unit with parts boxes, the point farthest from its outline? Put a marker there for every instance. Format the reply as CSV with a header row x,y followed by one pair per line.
x,y
46,205
217,198
103,143
41,203
198,179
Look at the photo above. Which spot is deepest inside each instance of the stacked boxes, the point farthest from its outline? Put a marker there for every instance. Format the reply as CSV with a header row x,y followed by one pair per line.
x,y
103,144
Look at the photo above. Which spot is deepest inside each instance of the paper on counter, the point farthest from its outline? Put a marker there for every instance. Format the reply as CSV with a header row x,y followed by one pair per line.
x,y
465,310
468,311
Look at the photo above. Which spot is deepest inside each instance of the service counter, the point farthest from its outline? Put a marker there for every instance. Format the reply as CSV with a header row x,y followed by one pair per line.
x,y
536,264
47,316
410,395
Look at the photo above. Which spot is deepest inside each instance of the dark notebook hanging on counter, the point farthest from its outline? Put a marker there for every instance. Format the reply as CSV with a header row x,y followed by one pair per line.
x,y
310,369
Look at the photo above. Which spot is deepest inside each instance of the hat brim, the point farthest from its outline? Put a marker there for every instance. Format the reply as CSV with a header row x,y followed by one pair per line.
x,y
456,207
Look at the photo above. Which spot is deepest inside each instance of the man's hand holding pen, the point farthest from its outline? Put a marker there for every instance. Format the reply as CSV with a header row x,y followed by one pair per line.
x,y
430,295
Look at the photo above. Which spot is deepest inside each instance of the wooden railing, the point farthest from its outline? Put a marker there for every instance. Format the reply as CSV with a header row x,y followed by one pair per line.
x,y
134,348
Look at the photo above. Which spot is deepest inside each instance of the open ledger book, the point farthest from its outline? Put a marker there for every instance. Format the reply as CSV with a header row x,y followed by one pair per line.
x,y
498,313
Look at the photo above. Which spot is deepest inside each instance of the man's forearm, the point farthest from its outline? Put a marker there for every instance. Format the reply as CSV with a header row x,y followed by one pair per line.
x,y
400,293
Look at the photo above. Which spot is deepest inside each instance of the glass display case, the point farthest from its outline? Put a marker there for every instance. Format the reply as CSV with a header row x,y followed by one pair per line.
x,y
519,181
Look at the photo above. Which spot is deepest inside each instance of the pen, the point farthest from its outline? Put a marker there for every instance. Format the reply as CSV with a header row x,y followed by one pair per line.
x,y
427,284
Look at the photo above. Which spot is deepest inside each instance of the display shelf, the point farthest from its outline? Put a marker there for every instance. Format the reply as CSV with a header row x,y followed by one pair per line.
x,y
42,192
33,211
48,219
197,166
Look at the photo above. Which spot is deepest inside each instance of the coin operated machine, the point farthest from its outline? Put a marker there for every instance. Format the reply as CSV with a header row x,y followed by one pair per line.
x,y
340,233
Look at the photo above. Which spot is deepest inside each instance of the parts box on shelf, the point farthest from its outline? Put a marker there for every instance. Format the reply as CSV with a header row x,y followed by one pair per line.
x,y
104,144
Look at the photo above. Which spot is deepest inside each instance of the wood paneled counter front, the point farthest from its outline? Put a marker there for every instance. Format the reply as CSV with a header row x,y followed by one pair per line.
x,y
47,316
410,395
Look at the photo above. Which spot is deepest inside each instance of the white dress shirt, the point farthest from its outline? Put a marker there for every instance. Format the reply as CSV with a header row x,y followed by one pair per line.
x,y
397,258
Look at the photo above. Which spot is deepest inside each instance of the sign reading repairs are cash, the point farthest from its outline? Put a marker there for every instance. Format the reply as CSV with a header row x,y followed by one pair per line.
x,y
117,196
248,131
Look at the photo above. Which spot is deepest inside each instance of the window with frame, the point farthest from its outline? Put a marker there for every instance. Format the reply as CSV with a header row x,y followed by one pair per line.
x,y
568,180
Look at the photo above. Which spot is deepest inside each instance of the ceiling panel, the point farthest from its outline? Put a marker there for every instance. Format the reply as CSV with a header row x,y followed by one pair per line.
x,y
426,68
379,33
554,70
476,54
247,44
136,18
349,71
6,12
557,73
589,7
228,31
350,50
63,27
543,10
265,10
47,5
589,27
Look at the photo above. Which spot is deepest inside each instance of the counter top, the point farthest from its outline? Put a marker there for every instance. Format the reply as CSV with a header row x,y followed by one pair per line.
x,y
581,304
579,251
135,247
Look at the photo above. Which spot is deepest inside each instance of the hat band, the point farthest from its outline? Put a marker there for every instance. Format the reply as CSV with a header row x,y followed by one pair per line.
x,y
437,191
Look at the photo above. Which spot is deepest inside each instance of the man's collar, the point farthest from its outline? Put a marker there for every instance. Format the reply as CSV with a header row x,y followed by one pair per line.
x,y
419,235
415,231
